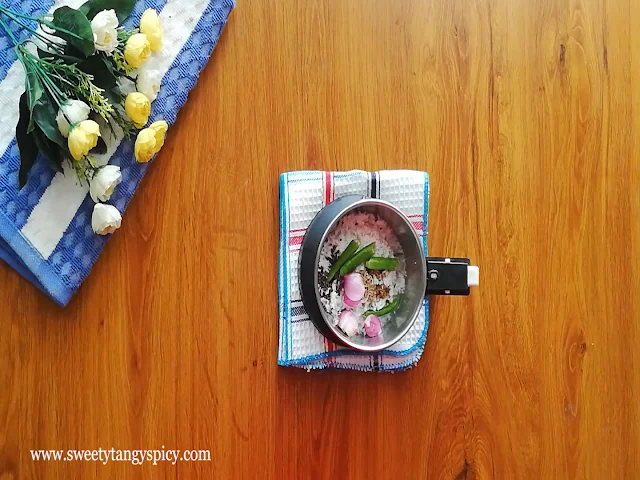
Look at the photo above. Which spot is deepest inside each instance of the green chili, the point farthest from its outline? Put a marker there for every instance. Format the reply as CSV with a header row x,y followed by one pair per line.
x,y
346,255
382,263
386,310
359,258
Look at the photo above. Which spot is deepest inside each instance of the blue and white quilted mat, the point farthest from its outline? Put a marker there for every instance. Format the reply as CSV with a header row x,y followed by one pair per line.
x,y
45,228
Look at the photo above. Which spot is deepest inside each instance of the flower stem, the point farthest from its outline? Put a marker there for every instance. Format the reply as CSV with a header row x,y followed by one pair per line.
x,y
12,15
41,20
62,79
56,66
47,23
58,96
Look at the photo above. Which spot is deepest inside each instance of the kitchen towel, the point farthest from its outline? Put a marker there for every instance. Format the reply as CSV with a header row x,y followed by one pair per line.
x,y
302,196
45,228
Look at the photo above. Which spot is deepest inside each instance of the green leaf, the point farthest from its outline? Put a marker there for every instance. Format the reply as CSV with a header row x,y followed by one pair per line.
x,y
123,8
73,52
52,152
100,148
34,90
45,116
114,95
26,145
33,86
101,69
74,21
70,56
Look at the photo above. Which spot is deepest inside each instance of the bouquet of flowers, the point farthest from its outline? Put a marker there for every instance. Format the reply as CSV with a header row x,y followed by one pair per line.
x,y
85,80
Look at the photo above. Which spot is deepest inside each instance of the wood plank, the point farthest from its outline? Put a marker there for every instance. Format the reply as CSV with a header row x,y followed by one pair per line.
x,y
525,115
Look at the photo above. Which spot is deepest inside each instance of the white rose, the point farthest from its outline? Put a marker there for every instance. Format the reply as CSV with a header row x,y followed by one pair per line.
x,y
104,183
148,83
106,219
105,34
74,111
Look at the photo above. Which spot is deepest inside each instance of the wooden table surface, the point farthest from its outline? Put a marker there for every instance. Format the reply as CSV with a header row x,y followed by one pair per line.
x,y
525,114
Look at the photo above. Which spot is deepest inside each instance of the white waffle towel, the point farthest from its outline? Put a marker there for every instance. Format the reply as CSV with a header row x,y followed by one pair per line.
x,y
302,196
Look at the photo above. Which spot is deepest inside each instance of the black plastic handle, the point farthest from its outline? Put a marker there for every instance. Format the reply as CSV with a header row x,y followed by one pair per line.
x,y
447,276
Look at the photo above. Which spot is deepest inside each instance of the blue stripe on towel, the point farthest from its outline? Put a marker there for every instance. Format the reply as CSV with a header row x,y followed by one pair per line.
x,y
425,231
17,204
281,299
21,256
287,304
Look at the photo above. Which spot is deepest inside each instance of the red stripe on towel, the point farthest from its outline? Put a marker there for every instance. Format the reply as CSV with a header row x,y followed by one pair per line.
x,y
296,240
327,188
328,197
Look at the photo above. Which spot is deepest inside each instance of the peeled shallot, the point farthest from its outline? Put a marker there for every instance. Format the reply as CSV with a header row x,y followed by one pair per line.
x,y
348,322
372,326
353,289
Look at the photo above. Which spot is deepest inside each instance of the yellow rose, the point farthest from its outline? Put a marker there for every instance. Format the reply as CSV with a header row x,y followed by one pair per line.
x,y
149,141
83,137
137,50
138,107
150,26
145,145
159,129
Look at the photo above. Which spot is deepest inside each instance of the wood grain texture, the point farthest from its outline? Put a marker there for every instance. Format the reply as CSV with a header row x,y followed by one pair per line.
x,y
526,114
